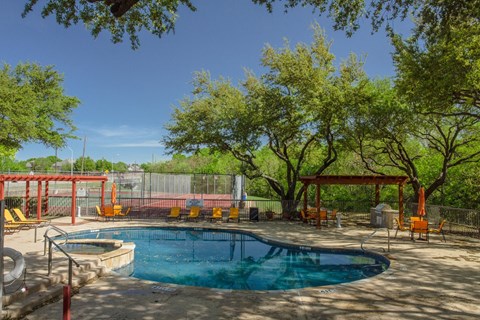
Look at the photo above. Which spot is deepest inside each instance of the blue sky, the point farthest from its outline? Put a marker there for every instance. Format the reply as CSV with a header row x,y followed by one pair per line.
x,y
127,96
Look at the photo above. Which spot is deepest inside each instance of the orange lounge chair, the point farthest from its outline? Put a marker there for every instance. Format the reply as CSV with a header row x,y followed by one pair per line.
x,y
233,215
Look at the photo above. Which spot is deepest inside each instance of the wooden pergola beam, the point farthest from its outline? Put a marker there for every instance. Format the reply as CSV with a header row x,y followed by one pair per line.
x,y
376,180
46,178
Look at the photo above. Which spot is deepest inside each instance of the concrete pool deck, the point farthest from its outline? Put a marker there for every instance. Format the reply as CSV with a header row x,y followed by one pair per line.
x,y
425,280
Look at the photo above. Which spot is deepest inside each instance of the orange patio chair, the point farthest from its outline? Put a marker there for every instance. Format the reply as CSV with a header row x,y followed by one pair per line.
x,y
400,227
125,215
420,227
439,230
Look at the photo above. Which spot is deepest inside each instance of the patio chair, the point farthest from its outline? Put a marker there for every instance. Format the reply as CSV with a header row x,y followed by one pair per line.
x,y
100,213
400,227
420,227
109,213
309,218
216,214
125,215
233,215
324,217
22,217
439,230
194,213
174,213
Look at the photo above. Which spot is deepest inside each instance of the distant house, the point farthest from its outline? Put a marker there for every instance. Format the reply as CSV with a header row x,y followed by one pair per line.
x,y
57,166
134,167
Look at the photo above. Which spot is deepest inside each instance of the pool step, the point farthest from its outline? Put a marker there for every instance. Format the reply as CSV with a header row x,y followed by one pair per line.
x,y
49,289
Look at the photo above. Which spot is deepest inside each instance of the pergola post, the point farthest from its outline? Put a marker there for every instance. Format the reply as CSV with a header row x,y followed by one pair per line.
x,y
46,197
74,200
305,201
377,194
39,200
317,205
103,195
400,202
27,198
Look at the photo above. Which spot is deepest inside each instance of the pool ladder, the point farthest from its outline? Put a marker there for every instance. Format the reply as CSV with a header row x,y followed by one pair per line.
x,y
372,234
51,242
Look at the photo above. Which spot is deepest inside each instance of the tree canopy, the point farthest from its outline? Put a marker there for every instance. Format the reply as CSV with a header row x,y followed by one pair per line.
x,y
276,123
33,107
159,16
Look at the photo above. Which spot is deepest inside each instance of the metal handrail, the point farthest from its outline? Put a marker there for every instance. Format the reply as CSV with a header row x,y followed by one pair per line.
x,y
50,253
371,235
62,232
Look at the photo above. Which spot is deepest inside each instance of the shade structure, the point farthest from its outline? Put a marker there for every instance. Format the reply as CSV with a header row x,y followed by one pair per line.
x,y
421,202
114,193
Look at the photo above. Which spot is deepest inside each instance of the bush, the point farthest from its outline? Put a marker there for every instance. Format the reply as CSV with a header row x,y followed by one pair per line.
x,y
13,202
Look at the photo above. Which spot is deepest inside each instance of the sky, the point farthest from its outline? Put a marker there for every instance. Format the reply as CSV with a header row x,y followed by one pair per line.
x,y
127,96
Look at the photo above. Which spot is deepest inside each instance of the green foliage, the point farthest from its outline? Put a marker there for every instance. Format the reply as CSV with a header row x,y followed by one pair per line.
x,y
13,202
33,107
86,164
296,109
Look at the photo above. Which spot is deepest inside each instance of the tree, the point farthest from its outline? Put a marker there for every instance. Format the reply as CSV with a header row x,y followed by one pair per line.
x,y
441,74
390,137
87,164
159,16
33,107
294,111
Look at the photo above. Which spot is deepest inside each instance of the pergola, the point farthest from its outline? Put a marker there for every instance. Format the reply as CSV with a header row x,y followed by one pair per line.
x,y
46,179
376,180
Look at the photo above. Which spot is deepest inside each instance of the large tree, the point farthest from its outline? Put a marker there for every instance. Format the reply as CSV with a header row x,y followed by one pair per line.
x,y
294,112
159,16
34,107
391,137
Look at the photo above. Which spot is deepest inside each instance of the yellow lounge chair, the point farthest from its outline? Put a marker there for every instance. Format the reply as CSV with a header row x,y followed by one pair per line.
x,y
9,219
22,217
439,230
216,214
174,213
233,215
194,213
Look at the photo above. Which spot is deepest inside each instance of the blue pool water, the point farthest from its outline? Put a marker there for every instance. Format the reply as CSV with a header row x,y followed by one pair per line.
x,y
236,260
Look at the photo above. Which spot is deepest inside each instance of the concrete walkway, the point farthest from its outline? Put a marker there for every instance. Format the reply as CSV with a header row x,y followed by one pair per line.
x,y
425,281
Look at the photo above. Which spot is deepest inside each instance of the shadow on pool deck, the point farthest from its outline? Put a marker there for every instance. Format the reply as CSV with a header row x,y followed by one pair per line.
x,y
425,281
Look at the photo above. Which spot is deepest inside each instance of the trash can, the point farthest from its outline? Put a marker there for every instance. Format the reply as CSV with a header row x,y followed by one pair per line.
x,y
253,214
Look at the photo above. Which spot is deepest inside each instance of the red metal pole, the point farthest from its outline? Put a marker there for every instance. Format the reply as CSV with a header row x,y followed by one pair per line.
x,y
27,199
74,200
103,194
46,197
66,302
39,200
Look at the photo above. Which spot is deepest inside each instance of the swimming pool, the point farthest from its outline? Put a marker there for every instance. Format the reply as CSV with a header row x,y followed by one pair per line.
x,y
236,260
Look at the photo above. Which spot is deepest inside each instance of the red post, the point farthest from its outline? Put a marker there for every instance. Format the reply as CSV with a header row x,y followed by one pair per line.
x,y
39,200
66,302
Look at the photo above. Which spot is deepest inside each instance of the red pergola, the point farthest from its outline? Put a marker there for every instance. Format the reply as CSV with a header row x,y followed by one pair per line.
x,y
47,178
376,180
